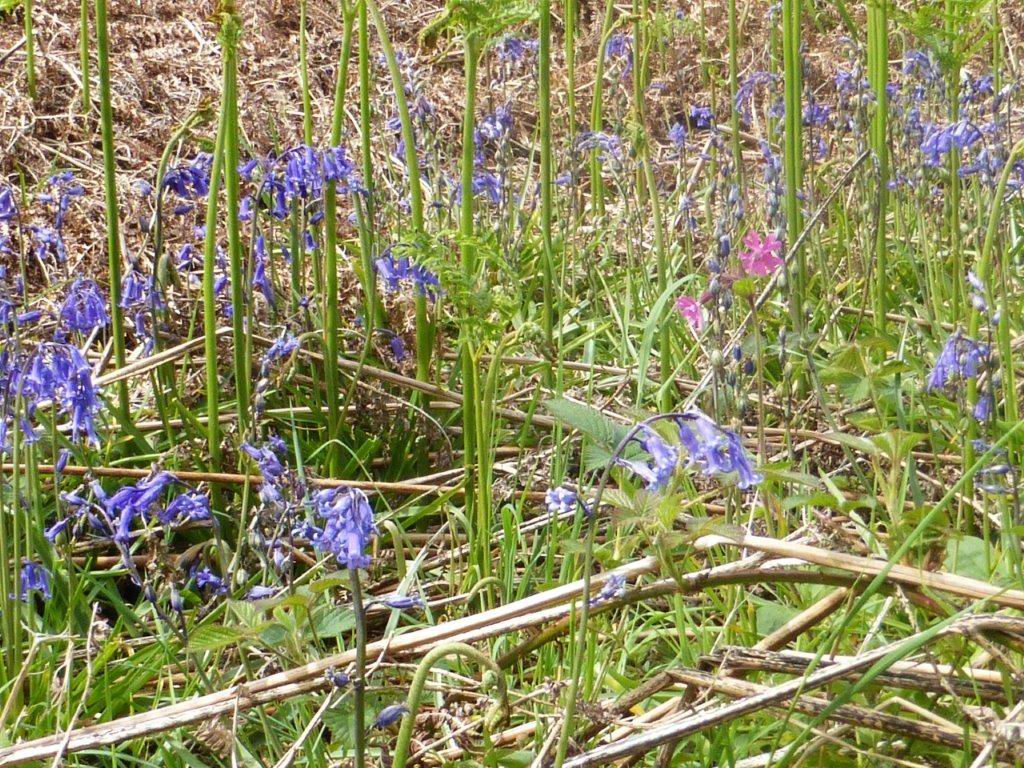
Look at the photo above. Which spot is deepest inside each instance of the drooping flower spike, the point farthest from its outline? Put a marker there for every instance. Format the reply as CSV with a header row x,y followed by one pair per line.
x,y
961,358
84,309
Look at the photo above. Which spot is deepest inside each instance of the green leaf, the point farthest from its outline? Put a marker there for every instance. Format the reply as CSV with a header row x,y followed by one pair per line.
x,y
856,442
214,636
770,616
590,421
966,557
333,622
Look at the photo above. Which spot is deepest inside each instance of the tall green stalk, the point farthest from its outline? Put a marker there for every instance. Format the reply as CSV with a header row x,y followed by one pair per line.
x,y
307,102
83,54
793,153
331,317
210,296
878,74
596,116
365,210
110,193
230,31
546,179
424,327
30,48
734,84
467,252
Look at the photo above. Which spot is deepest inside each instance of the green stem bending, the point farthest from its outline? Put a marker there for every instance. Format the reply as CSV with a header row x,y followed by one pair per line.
x,y
415,697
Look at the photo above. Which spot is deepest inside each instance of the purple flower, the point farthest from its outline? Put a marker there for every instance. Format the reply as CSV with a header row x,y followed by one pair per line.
x,y
961,359
282,347
608,145
336,678
85,308
512,50
620,47
207,579
983,408
677,134
494,127
664,457
348,525
701,118
390,715
260,593
8,207
47,243
191,181
715,451
395,271
402,602
260,275
133,289
560,500
62,188
613,587
58,372
186,507
34,578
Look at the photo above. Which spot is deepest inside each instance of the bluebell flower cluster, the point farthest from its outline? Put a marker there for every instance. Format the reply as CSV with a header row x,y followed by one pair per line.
x,y
390,716
61,189
560,500
659,468
85,308
269,459
348,525
620,48
283,347
35,578
394,271
939,141
714,450
961,358
749,86
59,373
613,587
608,145
402,602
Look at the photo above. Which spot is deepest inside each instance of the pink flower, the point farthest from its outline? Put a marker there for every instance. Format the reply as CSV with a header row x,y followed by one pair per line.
x,y
690,309
762,258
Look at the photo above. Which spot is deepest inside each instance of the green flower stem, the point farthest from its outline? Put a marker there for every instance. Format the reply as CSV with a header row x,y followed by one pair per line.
x,y
419,681
546,181
30,48
424,326
793,152
332,320
365,209
878,75
359,683
210,303
596,117
307,103
110,192
83,54
230,31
